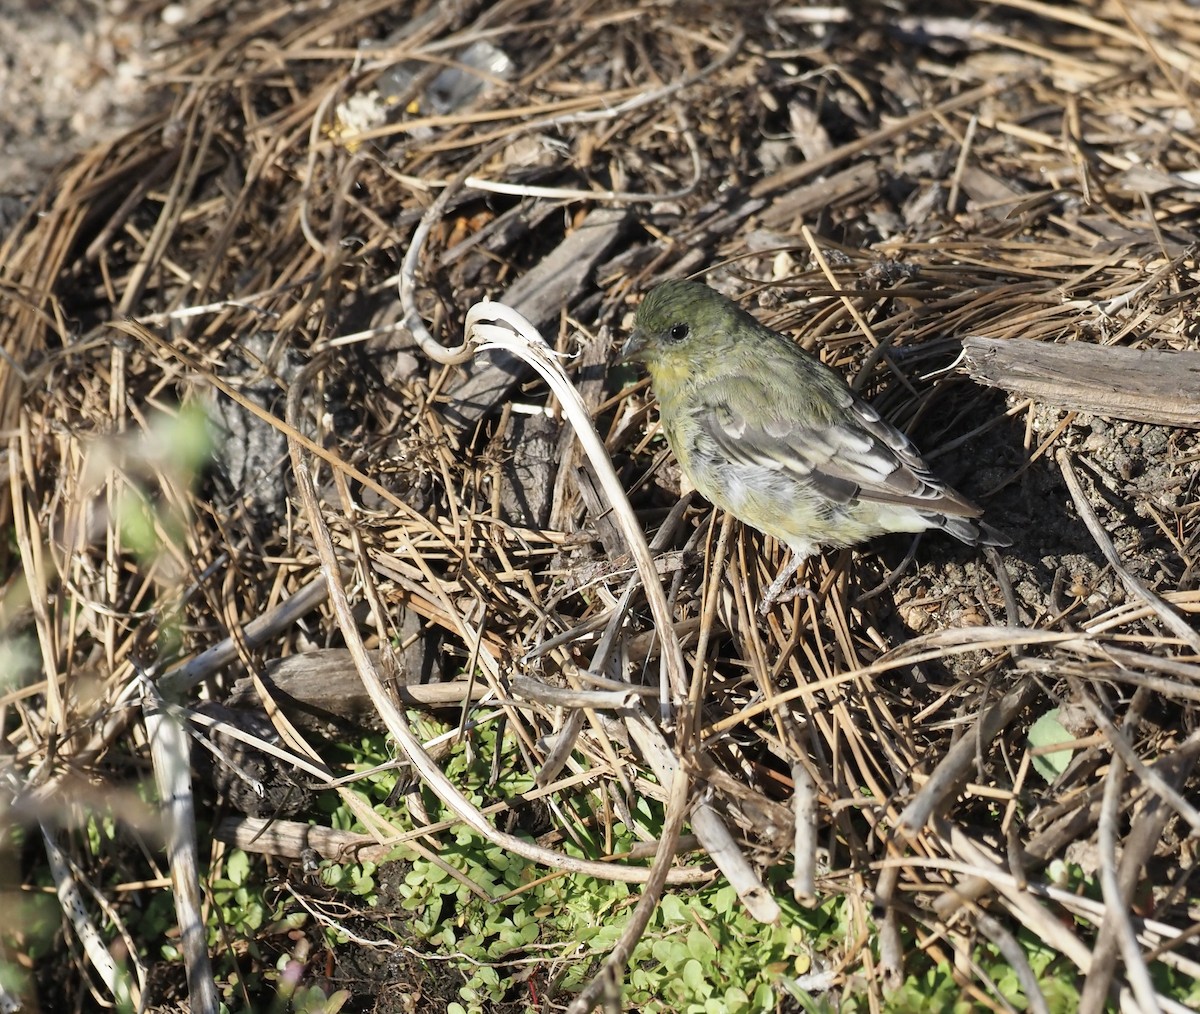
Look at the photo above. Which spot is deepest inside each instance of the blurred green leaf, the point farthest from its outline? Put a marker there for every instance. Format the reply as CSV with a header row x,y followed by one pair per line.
x,y
1048,731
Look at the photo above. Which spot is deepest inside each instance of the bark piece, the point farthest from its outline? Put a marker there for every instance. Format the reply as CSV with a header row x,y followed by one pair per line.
x,y
539,295
325,686
1144,385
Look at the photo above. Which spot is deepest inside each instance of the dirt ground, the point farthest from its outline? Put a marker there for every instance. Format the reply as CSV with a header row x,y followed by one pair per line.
x,y
72,75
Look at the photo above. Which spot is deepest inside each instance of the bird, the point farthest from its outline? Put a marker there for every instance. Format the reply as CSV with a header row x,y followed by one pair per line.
x,y
778,439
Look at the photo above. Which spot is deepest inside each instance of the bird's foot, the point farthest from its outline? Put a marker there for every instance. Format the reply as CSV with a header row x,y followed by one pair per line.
x,y
799,592
776,594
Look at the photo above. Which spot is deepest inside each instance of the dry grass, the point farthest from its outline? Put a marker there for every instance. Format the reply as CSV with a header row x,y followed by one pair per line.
x,y
883,185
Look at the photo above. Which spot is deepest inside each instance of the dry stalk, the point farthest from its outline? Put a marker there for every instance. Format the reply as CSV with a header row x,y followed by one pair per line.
x,y
172,775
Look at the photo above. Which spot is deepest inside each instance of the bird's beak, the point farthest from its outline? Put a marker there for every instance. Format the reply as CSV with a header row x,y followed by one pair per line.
x,y
633,348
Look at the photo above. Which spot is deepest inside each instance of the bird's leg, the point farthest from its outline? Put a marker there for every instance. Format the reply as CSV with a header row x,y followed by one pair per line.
x,y
776,587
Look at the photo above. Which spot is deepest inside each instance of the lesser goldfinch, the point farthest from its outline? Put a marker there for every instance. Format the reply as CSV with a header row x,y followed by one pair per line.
x,y
777,438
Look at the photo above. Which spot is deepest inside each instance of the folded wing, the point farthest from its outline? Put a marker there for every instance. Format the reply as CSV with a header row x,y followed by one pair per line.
x,y
851,455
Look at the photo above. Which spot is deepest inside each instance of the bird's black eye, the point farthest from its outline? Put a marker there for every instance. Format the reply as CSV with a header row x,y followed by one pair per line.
x,y
678,332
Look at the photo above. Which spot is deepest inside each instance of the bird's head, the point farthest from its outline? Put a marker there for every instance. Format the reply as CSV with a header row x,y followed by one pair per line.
x,y
678,322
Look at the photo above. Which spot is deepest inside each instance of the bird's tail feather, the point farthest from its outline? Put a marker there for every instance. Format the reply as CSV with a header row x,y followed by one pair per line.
x,y
970,531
